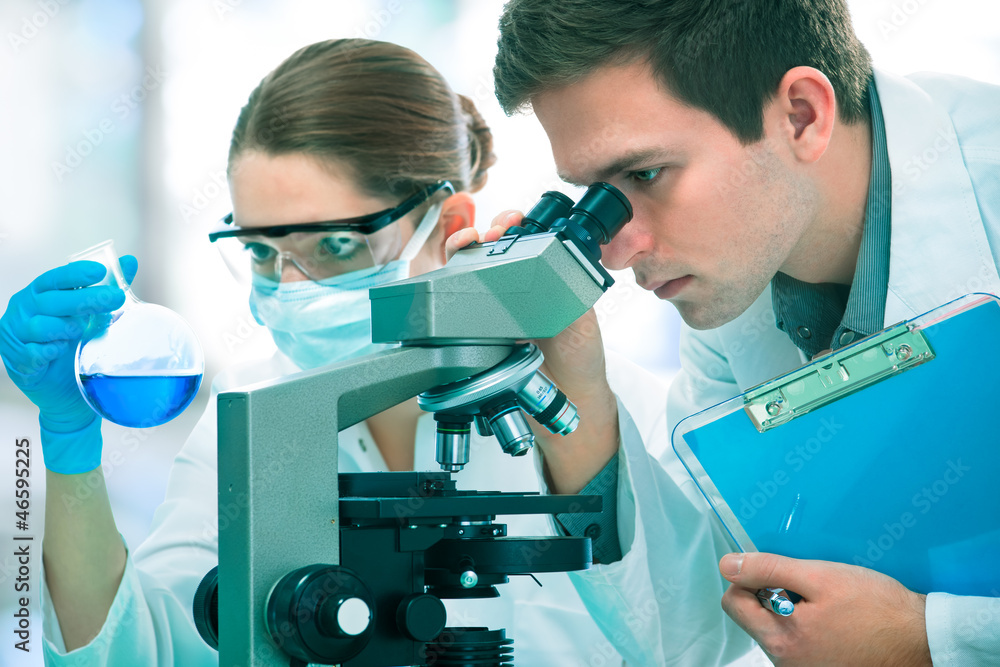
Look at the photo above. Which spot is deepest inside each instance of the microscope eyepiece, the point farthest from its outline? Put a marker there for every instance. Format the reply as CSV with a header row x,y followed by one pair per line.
x,y
602,211
591,222
552,206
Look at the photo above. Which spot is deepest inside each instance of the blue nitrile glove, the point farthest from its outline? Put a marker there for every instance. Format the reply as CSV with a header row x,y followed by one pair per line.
x,y
39,334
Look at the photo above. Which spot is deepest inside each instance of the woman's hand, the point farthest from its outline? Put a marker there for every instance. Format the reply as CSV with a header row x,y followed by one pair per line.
x,y
39,333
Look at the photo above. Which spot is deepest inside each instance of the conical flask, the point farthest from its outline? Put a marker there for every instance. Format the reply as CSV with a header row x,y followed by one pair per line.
x,y
140,365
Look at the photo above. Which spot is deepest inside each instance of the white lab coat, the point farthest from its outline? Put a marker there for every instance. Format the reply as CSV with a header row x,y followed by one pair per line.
x,y
150,620
943,138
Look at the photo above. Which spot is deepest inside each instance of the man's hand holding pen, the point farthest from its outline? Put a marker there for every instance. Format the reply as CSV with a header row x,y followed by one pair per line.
x,y
776,599
857,614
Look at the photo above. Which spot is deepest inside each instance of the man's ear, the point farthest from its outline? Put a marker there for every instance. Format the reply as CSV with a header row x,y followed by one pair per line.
x,y
802,113
457,212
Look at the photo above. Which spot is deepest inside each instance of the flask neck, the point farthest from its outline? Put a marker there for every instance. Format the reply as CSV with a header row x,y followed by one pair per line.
x,y
104,253
130,300
116,277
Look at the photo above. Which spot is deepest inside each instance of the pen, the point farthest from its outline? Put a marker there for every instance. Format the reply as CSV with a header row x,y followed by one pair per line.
x,y
775,600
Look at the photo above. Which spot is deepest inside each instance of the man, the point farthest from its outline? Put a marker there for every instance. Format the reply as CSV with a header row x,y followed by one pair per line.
x,y
788,200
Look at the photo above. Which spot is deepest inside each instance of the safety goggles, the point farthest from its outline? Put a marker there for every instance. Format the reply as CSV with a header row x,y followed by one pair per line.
x,y
319,250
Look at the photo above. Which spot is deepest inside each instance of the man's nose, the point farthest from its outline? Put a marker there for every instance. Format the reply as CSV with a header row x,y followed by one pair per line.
x,y
624,249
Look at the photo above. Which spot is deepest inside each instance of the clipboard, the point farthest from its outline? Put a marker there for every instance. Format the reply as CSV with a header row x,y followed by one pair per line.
x,y
883,454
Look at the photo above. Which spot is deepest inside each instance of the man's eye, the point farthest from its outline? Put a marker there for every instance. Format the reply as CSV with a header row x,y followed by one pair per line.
x,y
646,175
260,252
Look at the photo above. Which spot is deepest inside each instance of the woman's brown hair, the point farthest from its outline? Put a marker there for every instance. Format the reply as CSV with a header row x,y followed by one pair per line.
x,y
378,108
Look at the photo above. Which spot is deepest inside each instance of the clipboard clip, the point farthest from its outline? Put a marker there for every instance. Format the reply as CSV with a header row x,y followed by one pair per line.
x,y
850,369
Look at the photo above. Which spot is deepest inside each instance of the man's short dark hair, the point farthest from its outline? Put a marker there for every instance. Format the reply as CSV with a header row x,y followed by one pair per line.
x,y
724,56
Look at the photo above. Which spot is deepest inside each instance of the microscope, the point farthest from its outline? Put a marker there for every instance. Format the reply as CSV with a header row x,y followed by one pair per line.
x,y
350,569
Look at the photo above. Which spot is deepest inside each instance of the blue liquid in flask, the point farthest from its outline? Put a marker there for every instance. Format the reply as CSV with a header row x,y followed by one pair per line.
x,y
141,364
140,400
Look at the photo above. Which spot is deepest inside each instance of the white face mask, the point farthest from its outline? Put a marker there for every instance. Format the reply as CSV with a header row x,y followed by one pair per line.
x,y
320,323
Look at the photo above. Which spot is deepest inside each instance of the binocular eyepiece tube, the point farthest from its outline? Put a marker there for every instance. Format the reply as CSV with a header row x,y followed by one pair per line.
x,y
594,220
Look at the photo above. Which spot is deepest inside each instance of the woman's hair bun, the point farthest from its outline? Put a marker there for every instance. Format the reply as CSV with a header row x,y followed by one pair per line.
x,y
480,145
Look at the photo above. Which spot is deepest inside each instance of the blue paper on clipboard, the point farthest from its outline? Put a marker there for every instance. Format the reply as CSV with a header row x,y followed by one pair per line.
x,y
884,454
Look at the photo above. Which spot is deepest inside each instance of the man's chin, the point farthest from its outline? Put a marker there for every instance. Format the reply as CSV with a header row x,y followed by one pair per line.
x,y
705,316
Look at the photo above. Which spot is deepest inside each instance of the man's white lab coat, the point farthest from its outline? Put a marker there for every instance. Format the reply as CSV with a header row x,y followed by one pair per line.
x,y
150,620
943,139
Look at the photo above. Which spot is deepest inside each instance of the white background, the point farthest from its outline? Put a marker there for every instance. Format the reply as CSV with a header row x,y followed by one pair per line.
x,y
150,90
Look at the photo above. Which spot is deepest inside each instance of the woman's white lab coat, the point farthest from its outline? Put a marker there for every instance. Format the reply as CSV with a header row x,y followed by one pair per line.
x,y
150,620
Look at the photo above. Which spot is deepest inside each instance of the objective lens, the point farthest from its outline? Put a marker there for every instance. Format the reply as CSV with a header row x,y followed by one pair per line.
x,y
544,401
483,426
512,430
452,444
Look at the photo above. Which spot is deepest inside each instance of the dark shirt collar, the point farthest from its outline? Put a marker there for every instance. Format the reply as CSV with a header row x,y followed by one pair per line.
x,y
827,316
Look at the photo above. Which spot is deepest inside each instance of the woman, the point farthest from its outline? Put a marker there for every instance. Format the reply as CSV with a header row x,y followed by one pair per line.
x,y
339,131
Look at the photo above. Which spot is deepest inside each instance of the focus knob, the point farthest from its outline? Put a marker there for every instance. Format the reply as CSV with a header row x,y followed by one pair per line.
x,y
344,616
421,617
321,613
206,608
